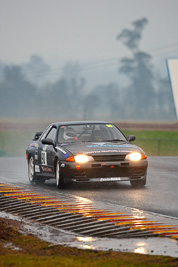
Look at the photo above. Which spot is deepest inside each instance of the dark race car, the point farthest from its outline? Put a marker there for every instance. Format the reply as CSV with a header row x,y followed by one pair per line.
x,y
85,152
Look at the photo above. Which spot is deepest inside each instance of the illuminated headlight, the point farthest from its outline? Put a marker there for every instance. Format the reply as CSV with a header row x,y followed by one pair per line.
x,y
83,158
135,156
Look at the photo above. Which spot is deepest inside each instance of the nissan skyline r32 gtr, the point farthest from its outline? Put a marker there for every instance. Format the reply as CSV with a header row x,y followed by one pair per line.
x,y
85,152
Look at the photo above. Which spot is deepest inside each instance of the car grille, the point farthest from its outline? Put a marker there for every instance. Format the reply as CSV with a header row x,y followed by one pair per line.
x,y
104,158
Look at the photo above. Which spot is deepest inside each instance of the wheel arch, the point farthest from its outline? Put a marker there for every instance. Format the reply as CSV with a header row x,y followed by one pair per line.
x,y
31,153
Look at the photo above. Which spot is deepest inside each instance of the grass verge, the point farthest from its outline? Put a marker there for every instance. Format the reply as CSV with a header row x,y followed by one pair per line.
x,y
17,249
156,143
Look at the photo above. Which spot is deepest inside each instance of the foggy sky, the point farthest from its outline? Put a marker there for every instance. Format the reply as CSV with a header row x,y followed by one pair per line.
x,y
82,30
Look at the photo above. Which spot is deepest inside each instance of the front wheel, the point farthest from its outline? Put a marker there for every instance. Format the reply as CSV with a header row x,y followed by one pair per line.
x,y
59,177
138,183
31,170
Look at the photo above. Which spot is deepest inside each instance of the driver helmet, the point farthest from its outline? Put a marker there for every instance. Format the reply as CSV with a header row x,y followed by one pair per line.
x,y
69,133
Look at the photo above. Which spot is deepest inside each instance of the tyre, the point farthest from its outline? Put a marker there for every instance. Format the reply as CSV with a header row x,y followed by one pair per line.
x,y
31,170
138,183
40,181
59,177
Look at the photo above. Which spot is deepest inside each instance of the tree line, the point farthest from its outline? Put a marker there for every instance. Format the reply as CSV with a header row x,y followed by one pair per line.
x,y
146,96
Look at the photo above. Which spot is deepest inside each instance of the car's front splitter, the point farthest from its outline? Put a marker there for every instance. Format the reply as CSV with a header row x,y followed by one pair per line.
x,y
105,179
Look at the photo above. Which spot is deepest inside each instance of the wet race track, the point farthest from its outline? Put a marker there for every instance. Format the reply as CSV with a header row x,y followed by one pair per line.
x,y
159,195
98,210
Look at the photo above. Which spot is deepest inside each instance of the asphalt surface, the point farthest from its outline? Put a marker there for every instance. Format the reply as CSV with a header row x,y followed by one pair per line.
x,y
159,195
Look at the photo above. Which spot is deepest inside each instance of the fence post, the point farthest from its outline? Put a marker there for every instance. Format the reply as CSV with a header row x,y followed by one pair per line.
x,y
159,146
2,145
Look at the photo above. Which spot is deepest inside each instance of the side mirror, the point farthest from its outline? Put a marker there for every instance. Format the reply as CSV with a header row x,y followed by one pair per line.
x,y
47,141
36,136
131,138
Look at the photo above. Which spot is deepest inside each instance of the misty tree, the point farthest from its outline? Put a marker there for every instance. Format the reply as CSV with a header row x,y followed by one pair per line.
x,y
17,96
64,98
75,89
108,101
72,74
138,69
2,66
36,70
90,104
57,101
114,101
165,108
131,38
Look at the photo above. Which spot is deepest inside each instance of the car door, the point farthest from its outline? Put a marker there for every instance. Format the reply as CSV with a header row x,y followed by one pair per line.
x,y
50,150
47,153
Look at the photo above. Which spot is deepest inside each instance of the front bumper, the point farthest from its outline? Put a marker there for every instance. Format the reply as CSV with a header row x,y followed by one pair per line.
x,y
104,171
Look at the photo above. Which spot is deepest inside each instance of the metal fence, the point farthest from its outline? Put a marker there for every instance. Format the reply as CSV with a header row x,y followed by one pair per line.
x,y
2,142
2,146
158,147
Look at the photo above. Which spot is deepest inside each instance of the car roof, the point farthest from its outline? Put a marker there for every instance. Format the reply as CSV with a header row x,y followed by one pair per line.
x,y
78,122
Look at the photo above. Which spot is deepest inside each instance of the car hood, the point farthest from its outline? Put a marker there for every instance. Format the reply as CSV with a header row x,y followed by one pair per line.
x,y
99,148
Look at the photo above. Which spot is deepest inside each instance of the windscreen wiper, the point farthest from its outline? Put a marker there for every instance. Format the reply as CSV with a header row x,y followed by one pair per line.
x,y
114,140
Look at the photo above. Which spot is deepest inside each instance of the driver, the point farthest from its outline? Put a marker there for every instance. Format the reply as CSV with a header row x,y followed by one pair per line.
x,y
69,134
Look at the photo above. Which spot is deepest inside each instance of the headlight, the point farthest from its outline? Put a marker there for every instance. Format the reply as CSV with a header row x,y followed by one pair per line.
x,y
83,158
135,156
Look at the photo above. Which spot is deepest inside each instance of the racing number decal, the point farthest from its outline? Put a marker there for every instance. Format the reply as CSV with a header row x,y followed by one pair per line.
x,y
44,158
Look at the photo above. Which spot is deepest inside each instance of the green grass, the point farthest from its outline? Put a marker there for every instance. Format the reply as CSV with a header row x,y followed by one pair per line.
x,y
154,143
14,143
35,252
86,261
163,143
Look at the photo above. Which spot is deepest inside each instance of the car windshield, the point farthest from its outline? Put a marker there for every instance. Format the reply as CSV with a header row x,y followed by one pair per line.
x,y
89,133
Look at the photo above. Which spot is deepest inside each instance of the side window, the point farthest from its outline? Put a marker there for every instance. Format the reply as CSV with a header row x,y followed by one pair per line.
x,y
44,133
52,134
